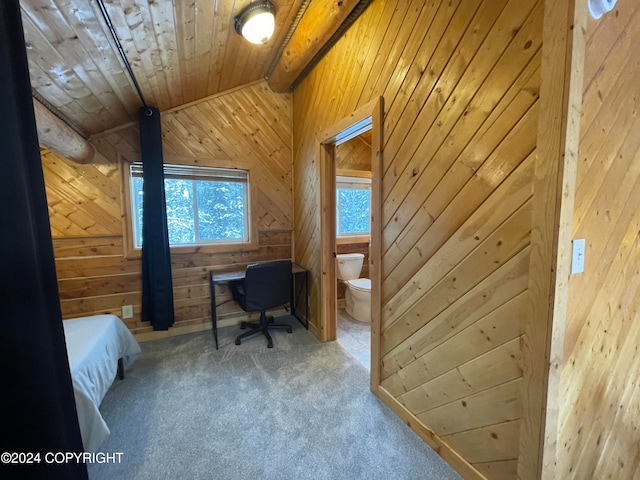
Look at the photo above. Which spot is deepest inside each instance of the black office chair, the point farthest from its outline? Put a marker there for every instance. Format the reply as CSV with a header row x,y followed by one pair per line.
x,y
265,286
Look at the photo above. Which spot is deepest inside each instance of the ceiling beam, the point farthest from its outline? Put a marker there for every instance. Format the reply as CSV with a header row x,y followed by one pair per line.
x,y
60,138
318,24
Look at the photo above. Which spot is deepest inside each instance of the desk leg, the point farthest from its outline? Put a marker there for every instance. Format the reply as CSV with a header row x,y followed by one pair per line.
x,y
292,301
214,314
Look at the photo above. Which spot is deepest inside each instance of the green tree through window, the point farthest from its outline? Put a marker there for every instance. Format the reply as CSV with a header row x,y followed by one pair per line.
x,y
353,205
204,204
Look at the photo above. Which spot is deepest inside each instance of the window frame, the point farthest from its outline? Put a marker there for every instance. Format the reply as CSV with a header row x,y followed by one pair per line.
x,y
131,251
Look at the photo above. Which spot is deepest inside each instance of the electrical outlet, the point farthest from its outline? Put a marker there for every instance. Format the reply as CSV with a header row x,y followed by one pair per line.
x,y
127,311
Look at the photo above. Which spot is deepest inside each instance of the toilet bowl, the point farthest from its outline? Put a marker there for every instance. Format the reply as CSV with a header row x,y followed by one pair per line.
x,y
358,294
358,299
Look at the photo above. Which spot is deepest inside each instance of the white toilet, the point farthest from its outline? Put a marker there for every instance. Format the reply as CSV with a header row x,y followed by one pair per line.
x,y
358,294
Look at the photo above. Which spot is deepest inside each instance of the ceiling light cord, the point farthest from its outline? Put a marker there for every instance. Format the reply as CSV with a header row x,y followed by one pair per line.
x,y
303,8
127,65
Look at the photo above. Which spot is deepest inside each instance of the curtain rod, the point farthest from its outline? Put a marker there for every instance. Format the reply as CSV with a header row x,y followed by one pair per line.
x,y
105,15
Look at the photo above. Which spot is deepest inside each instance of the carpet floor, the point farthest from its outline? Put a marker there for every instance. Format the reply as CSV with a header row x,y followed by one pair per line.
x,y
302,410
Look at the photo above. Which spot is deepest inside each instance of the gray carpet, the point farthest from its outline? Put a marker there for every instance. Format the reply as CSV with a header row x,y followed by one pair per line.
x,y
302,410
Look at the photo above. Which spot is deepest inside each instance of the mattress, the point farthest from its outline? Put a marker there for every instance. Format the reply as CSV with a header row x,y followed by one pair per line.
x,y
94,345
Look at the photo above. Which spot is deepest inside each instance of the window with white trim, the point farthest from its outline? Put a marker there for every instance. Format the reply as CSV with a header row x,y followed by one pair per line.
x,y
353,206
205,205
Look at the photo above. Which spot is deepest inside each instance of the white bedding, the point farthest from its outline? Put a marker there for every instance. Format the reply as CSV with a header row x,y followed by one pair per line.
x,y
94,345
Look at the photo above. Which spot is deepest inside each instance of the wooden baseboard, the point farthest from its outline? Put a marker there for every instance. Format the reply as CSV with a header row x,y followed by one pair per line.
x,y
200,327
459,464
315,330
172,332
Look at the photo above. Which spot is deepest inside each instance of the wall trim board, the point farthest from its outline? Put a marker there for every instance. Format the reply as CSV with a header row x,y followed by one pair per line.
x,y
370,115
313,328
325,154
375,239
553,197
459,464
172,332
203,326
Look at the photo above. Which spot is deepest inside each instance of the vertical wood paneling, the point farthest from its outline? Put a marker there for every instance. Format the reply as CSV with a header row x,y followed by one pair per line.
x,y
461,113
248,127
600,401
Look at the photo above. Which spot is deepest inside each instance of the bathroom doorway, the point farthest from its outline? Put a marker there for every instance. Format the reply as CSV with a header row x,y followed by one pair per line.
x,y
366,119
353,204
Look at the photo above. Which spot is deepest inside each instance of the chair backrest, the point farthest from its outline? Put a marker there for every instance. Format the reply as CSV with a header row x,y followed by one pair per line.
x,y
267,285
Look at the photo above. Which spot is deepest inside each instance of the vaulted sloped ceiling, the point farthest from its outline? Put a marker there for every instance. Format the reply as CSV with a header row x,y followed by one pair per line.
x,y
179,50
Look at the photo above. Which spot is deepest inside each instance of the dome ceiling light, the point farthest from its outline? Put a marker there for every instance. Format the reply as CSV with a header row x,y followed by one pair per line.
x,y
256,22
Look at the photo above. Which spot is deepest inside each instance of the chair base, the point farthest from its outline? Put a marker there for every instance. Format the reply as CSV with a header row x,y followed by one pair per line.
x,y
262,327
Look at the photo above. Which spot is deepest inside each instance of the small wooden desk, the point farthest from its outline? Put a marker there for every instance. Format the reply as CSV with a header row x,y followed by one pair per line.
x,y
299,291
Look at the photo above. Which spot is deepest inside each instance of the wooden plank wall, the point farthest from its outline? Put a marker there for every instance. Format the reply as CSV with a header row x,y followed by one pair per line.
x,y
250,126
354,155
600,400
460,81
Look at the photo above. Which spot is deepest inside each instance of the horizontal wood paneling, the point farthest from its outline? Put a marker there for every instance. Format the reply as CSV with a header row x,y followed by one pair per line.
x,y
104,282
460,82
95,276
599,397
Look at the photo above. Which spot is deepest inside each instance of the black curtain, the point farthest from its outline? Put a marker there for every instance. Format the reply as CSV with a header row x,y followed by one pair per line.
x,y
37,407
157,286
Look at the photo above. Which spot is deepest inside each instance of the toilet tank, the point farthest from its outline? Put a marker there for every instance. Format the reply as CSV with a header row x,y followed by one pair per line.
x,y
349,265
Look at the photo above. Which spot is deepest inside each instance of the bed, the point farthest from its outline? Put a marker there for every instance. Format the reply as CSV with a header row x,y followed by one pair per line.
x,y
96,346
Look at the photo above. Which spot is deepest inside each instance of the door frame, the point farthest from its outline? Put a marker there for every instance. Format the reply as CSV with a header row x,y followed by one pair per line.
x,y
369,116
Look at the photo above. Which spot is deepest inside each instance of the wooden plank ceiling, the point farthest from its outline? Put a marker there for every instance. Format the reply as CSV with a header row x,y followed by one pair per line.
x,y
180,51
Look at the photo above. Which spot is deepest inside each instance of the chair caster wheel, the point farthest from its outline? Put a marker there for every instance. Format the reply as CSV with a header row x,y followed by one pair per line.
x,y
237,341
243,327
289,330
270,345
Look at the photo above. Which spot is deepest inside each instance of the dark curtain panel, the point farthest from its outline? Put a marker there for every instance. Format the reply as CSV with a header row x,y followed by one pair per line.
x,y
157,286
37,407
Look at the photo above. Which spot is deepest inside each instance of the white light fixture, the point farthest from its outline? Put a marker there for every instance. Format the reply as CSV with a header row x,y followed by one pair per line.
x,y
597,8
256,22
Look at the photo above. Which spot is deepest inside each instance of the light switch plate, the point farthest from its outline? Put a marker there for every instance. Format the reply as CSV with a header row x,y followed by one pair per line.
x,y
127,311
577,259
